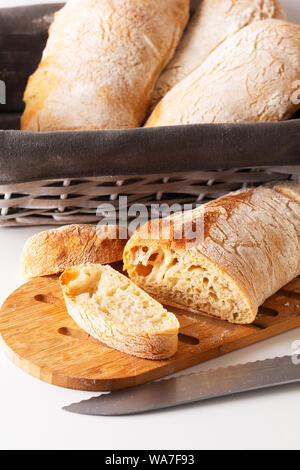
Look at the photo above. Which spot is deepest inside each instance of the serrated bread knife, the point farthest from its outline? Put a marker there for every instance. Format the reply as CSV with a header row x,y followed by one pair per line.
x,y
192,388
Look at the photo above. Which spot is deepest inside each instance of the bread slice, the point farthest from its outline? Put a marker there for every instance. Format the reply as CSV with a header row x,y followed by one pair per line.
x,y
245,248
53,251
251,76
101,62
212,23
112,309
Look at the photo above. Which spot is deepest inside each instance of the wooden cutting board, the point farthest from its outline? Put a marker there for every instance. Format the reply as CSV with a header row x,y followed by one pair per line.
x,y
39,337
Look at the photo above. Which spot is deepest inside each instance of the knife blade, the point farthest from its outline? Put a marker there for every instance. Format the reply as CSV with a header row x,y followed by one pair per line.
x,y
192,388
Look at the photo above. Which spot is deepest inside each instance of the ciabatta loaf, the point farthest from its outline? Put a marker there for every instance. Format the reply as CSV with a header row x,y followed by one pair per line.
x,y
53,251
225,257
101,63
212,23
251,76
112,309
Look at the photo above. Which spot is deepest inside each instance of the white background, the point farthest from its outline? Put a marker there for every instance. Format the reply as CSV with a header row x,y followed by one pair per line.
x,y
31,415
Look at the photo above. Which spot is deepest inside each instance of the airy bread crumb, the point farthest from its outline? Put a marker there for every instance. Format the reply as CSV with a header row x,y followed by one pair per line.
x,y
249,248
111,308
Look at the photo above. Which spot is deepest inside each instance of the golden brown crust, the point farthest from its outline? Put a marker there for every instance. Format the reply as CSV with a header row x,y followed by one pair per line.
x,y
252,236
101,63
53,251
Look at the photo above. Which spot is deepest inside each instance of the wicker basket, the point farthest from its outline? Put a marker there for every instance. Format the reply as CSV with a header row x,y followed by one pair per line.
x,y
58,178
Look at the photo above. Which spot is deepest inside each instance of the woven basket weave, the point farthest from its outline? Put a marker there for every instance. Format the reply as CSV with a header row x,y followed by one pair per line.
x,y
72,201
63,178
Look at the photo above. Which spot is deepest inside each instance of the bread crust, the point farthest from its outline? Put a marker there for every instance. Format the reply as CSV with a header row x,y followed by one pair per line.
x,y
144,345
251,76
153,347
252,236
213,22
101,63
53,251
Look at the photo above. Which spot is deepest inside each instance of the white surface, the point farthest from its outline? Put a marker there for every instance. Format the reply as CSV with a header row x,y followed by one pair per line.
x,y
31,415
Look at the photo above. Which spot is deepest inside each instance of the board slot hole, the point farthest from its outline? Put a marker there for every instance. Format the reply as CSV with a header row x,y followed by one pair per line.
x,y
258,325
46,298
77,334
290,295
186,339
269,312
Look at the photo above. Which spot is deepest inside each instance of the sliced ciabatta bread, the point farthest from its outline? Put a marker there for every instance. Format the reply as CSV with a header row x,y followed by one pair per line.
x,y
53,251
212,23
251,76
225,257
112,309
